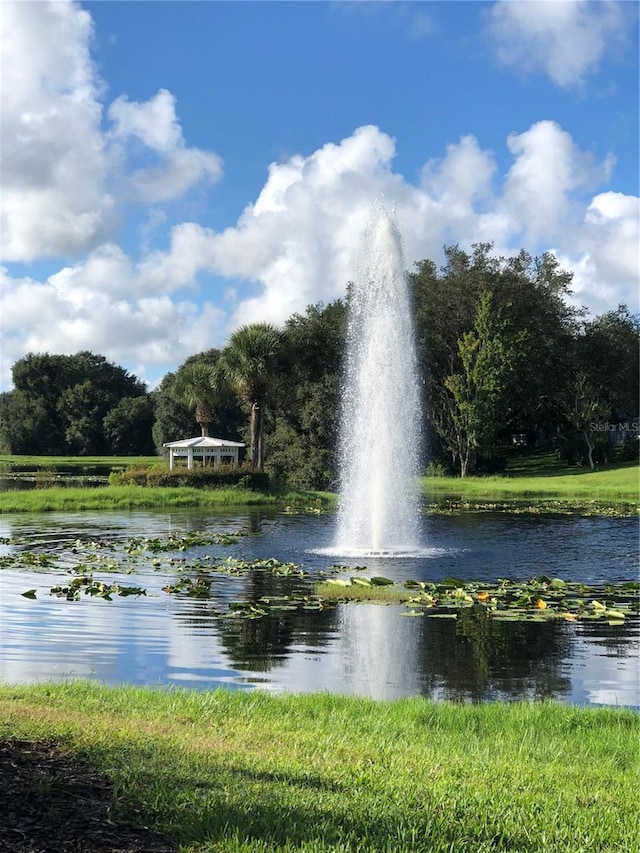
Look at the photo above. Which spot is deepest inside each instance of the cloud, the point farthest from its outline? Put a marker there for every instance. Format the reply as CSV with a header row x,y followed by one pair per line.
x,y
606,257
62,169
54,197
154,123
300,243
565,40
539,186
100,306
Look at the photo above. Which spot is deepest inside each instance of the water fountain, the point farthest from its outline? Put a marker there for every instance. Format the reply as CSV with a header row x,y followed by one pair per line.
x,y
381,406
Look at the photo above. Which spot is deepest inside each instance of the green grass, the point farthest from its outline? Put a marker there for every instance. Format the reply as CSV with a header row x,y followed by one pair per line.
x,y
617,484
52,462
535,478
254,773
70,499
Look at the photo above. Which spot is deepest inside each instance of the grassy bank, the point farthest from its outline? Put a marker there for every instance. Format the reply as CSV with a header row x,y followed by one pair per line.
x,y
538,482
70,499
249,772
79,462
613,485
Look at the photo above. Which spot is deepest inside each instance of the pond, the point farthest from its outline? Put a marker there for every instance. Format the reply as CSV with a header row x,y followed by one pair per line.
x,y
177,638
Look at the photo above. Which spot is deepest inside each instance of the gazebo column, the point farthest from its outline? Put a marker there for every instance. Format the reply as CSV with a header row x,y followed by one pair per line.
x,y
190,458
171,458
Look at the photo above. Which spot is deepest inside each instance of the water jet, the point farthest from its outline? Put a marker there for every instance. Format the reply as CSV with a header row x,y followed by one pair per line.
x,y
380,432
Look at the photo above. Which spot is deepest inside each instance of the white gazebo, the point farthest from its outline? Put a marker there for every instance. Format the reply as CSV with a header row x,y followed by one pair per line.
x,y
214,451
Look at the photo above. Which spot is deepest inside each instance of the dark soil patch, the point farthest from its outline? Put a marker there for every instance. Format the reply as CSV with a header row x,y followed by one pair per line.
x,y
54,802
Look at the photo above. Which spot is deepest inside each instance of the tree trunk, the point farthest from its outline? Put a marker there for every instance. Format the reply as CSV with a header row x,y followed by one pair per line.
x,y
255,434
590,447
261,439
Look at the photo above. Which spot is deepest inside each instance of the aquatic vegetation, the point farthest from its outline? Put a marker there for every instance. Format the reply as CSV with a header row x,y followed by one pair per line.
x,y
181,543
539,599
191,571
542,506
87,585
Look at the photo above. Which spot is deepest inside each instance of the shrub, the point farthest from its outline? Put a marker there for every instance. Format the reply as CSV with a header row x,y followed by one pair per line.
x,y
436,469
225,476
630,450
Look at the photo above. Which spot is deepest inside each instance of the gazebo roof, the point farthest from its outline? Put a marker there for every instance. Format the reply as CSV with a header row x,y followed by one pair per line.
x,y
202,441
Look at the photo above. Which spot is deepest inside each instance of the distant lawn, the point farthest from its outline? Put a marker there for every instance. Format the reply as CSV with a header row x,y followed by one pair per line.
x,y
536,477
18,462
546,463
621,483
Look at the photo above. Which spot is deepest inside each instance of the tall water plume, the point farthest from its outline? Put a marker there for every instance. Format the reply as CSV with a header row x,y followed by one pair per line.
x,y
381,408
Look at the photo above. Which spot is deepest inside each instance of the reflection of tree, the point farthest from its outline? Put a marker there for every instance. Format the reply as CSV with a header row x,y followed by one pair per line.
x,y
262,644
265,643
475,657
611,638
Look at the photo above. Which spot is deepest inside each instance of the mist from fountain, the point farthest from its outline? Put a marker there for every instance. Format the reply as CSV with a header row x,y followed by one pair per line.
x,y
381,414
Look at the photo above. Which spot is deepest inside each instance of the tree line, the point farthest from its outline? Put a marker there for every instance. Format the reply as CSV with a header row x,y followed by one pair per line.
x,y
501,350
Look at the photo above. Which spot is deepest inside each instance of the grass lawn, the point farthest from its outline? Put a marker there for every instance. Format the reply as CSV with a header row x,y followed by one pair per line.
x,y
613,484
536,478
80,462
71,499
243,772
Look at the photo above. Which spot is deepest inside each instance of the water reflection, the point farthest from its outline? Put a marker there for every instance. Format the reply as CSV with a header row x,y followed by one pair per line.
x,y
362,649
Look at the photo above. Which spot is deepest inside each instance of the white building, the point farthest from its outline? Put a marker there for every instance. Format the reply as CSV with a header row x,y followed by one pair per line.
x,y
209,450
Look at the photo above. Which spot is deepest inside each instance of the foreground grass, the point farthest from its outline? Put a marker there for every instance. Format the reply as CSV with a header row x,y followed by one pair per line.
x,y
614,485
248,772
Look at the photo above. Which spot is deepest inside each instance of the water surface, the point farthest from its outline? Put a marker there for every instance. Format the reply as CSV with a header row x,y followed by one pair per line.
x,y
362,649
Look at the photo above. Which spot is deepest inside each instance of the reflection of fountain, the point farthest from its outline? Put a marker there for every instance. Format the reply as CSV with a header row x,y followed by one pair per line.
x,y
380,428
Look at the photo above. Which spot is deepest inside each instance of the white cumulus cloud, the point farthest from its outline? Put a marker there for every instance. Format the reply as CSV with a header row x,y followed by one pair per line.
x,y
564,39
299,242
54,196
155,124
62,169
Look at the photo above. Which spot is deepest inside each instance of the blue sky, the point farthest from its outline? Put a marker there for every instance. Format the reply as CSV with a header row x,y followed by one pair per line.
x,y
173,170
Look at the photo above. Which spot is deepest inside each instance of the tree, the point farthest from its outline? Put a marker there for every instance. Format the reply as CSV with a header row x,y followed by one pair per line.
x,y
470,413
172,419
60,401
302,442
584,407
197,386
128,425
607,352
250,364
530,293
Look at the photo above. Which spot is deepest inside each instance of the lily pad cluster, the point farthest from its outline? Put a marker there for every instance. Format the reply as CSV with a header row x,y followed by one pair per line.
x,y
181,543
540,599
88,585
544,506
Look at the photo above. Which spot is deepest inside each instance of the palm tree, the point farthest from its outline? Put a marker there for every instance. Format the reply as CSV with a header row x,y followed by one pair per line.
x,y
197,386
249,362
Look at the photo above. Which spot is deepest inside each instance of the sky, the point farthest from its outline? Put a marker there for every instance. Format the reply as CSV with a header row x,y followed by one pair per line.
x,y
171,171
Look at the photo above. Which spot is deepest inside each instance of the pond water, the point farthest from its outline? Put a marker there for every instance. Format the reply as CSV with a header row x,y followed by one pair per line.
x,y
357,648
